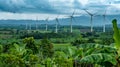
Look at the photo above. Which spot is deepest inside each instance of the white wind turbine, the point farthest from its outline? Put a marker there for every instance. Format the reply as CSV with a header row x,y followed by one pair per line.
x,y
46,25
26,26
56,25
91,19
104,20
30,26
36,25
71,21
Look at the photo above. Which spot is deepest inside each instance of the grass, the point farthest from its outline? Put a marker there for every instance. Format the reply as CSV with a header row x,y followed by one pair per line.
x,y
63,46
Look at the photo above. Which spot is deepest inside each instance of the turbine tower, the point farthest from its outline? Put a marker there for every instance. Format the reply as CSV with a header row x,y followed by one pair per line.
x,y
71,20
26,23
26,26
104,20
46,25
36,25
30,26
91,19
57,22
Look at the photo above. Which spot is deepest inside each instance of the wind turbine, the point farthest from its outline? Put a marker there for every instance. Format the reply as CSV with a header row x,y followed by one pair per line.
x,y
71,20
26,26
104,20
46,25
91,19
36,25
30,26
56,25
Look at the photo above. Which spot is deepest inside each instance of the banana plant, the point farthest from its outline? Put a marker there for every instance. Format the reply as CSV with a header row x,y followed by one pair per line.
x,y
74,52
18,50
23,54
97,54
116,37
99,58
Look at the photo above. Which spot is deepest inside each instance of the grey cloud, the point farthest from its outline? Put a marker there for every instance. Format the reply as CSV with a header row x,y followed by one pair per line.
x,y
45,6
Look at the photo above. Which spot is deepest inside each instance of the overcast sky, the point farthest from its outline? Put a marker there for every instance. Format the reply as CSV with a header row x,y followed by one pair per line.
x,y
41,9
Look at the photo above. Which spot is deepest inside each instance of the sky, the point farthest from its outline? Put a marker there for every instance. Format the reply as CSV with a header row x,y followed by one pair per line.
x,y
42,9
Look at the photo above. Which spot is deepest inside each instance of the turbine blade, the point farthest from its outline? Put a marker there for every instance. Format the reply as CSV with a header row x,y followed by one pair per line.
x,y
74,19
58,15
73,13
36,18
47,18
98,15
105,11
57,20
108,20
95,14
88,12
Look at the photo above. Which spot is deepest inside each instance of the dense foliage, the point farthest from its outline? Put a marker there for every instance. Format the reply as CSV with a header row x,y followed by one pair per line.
x,y
86,50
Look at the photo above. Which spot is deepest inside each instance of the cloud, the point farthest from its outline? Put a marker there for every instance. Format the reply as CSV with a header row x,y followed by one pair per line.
x,y
64,7
83,2
25,6
20,16
11,5
44,6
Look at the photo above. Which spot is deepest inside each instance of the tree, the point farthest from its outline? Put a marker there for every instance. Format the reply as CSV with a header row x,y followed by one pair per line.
x,y
78,42
30,44
47,48
1,49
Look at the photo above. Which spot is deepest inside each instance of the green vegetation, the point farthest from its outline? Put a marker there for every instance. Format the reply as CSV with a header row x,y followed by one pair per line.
x,y
117,40
64,49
